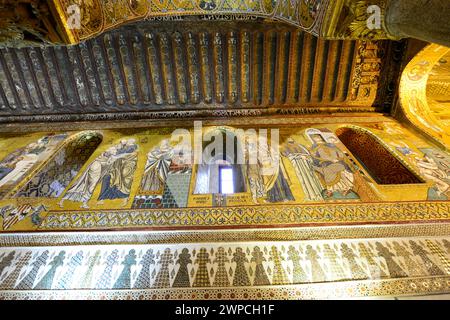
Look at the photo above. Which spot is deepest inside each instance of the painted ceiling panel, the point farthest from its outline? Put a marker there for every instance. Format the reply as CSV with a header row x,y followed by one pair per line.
x,y
194,65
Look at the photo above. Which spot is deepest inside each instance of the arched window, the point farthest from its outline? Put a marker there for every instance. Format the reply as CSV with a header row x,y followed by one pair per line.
x,y
221,173
383,166
51,181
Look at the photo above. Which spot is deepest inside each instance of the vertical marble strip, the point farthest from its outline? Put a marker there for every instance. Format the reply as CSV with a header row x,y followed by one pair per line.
x,y
33,84
295,58
127,70
167,72
320,67
12,98
115,71
3,100
306,75
140,64
92,82
345,69
26,77
55,78
67,76
258,68
270,67
42,81
218,67
332,70
101,69
193,68
232,67
78,75
205,67
282,60
245,66
15,80
154,68
180,67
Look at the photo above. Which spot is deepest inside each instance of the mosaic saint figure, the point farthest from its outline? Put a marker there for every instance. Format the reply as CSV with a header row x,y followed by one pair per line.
x,y
117,181
394,269
163,277
157,167
47,280
28,281
202,276
182,278
261,278
15,165
221,279
335,174
303,164
124,280
254,174
10,281
435,167
266,182
241,278
83,188
143,279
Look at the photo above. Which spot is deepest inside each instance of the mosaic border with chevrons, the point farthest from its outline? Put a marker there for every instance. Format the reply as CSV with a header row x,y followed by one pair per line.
x,y
248,216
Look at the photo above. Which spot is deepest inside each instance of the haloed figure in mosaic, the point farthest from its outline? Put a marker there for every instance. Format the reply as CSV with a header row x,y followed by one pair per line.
x,y
302,161
435,167
335,174
157,167
267,176
115,167
15,165
117,181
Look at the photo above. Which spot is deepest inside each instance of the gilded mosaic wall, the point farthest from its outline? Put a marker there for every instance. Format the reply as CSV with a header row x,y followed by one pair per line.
x,y
134,178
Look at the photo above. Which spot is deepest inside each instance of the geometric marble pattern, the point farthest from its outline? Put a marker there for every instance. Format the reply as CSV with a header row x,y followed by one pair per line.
x,y
223,265
261,215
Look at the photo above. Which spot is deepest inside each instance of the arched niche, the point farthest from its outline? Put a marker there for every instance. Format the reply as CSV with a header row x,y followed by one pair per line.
x,y
210,177
425,90
379,162
62,167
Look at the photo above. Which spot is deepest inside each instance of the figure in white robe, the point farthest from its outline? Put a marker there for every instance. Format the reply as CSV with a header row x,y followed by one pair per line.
x,y
303,164
84,187
157,167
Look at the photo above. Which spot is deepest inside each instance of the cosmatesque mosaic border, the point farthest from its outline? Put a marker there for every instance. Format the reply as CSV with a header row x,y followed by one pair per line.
x,y
54,238
248,216
319,269
346,290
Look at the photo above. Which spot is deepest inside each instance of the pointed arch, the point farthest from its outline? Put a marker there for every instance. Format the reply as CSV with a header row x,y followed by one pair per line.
x,y
382,165
58,172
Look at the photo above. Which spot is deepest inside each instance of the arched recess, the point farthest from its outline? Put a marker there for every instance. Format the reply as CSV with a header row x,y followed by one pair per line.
x,y
209,174
379,162
419,91
65,164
